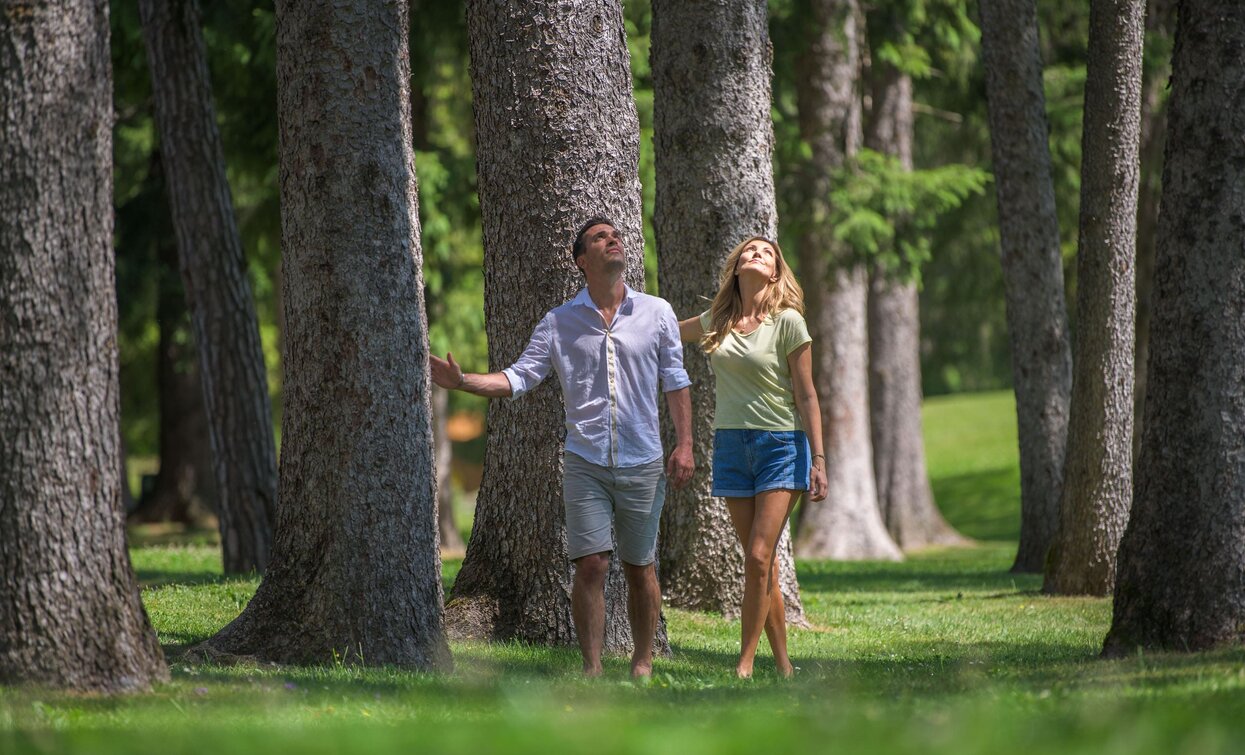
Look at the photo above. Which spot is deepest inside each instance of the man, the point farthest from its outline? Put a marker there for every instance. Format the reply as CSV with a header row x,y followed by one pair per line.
x,y
611,347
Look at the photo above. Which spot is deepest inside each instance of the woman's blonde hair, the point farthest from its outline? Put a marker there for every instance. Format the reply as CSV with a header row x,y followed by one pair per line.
x,y
727,306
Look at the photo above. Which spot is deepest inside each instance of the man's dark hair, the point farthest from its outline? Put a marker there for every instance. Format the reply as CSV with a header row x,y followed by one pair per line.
x,y
577,248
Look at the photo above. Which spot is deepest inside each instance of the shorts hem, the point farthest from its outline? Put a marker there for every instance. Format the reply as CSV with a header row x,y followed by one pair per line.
x,y
590,551
782,486
731,493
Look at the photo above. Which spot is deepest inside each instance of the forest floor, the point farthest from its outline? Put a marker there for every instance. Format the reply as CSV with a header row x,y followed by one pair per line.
x,y
946,652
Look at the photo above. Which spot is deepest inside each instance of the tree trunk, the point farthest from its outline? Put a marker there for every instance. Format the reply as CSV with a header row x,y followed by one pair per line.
x,y
1159,20
185,487
904,494
355,573
231,358
713,142
70,613
558,141
1181,573
1097,478
1037,319
443,451
847,524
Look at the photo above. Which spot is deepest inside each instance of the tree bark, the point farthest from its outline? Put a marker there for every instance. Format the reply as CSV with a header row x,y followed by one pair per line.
x,y
355,573
1181,572
904,493
70,613
713,142
1037,319
443,451
231,357
558,142
848,523
1097,479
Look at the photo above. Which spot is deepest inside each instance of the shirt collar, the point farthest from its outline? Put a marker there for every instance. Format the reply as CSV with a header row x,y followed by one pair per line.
x,y
583,299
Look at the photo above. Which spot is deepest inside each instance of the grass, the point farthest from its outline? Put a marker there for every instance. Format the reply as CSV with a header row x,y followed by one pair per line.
x,y
946,652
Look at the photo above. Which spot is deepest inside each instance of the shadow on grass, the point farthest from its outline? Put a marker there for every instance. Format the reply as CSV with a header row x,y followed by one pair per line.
x,y
983,505
831,578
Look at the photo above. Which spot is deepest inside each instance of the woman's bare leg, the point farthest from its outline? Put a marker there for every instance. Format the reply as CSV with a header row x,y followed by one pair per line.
x,y
758,522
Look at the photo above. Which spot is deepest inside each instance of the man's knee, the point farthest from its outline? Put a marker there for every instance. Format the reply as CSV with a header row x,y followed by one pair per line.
x,y
640,575
593,567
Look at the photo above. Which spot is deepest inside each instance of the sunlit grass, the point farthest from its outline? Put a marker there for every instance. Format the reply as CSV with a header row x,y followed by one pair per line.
x,y
946,652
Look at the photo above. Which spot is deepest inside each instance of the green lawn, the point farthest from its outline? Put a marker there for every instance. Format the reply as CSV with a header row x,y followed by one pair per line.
x,y
946,652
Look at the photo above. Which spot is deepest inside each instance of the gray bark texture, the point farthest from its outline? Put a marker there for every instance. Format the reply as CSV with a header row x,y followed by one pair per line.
x,y
231,357
1097,477
713,142
848,523
355,572
558,142
70,613
443,449
1037,318
904,493
1180,581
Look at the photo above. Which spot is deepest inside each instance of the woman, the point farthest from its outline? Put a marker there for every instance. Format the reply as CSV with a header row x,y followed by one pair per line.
x,y
759,349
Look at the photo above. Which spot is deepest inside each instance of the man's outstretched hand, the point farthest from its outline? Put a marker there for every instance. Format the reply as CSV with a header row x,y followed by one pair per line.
x,y
679,466
446,372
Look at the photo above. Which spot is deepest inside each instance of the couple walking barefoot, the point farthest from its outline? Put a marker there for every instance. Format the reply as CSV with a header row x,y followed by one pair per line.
x,y
613,348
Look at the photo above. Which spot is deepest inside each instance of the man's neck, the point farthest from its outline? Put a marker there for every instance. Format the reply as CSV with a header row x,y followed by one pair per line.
x,y
607,293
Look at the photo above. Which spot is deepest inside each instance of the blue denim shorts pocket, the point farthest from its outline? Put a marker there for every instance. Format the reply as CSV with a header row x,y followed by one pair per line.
x,y
747,462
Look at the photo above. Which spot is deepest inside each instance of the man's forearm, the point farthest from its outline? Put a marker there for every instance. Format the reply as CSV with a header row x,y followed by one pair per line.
x,y
680,405
491,385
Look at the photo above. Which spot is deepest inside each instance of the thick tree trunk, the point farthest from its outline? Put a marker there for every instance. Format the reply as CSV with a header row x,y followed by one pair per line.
x,y
904,494
231,358
355,572
1037,319
70,613
713,142
1097,478
1181,573
443,450
558,142
847,524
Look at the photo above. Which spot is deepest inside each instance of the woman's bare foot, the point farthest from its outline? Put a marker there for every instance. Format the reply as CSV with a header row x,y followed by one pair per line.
x,y
743,672
785,670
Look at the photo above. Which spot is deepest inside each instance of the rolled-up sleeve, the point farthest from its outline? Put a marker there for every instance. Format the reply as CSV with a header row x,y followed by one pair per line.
x,y
534,364
670,354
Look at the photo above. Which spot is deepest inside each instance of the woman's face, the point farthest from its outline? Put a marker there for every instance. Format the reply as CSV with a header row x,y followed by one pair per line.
x,y
758,258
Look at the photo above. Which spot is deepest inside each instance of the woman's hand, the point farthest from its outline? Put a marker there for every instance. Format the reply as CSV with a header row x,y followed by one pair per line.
x,y
817,486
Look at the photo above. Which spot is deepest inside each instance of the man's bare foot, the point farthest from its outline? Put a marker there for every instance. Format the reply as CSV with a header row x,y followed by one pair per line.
x,y
592,671
641,669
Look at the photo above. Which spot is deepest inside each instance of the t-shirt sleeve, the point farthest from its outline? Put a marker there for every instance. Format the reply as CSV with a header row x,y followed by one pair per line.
x,y
705,321
794,331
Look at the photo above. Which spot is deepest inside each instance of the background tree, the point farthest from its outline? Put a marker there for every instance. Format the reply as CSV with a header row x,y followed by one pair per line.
x,y
1037,321
60,491
184,490
357,463
1097,478
847,524
903,488
1181,566
231,356
558,142
1155,77
713,142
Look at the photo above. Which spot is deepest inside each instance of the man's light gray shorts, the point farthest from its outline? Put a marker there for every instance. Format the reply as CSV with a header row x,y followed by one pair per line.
x,y
631,497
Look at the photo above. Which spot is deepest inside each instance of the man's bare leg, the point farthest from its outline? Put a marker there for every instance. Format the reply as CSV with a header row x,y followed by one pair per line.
x,y
588,608
644,609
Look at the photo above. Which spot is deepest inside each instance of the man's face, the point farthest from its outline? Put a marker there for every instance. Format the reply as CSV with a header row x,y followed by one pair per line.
x,y
603,251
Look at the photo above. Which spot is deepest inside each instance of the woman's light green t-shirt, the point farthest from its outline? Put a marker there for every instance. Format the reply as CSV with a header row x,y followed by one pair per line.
x,y
753,380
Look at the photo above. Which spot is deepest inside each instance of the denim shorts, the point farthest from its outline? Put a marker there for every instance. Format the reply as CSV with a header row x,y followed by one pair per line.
x,y
747,462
